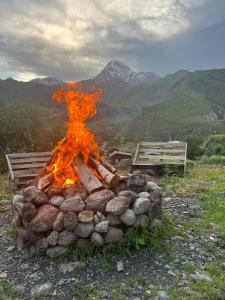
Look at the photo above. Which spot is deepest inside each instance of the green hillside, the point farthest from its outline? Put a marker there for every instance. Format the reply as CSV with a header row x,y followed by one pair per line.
x,y
209,83
185,112
149,93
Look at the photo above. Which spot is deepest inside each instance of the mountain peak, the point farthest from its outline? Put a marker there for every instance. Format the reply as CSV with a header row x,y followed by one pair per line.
x,y
116,69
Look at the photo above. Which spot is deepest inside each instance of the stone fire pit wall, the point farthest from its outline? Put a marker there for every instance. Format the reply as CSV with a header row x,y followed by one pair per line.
x,y
50,222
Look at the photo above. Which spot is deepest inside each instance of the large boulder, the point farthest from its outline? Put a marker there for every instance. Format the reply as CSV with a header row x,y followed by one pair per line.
x,y
128,217
117,205
74,204
141,205
35,196
70,220
83,230
113,235
98,200
44,219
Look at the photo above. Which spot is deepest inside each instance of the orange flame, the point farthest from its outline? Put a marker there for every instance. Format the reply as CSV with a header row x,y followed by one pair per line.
x,y
81,105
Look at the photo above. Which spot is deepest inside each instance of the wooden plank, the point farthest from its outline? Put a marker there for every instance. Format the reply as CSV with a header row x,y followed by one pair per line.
x,y
29,172
165,157
28,166
136,153
160,150
161,147
138,163
30,154
163,144
15,161
10,168
32,175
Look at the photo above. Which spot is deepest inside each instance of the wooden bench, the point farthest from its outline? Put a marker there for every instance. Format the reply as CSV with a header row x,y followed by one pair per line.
x,y
23,167
157,157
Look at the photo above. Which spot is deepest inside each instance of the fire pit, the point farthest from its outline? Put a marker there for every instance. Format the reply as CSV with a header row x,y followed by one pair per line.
x,y
79,198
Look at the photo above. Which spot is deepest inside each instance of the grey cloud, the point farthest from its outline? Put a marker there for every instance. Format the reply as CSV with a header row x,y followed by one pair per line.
x,y
59,38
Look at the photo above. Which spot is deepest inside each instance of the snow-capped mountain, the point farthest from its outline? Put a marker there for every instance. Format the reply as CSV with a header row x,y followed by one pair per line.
x,y
117,70
48,81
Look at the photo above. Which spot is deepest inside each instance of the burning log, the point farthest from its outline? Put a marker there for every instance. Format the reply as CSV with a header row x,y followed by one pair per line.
x,y
107,176
87,178
108,166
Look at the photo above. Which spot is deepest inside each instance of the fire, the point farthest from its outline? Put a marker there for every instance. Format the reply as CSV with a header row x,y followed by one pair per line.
x,y
79,140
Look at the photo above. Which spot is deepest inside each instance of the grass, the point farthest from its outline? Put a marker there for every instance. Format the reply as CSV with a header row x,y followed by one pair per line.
x,y
6,290
5,190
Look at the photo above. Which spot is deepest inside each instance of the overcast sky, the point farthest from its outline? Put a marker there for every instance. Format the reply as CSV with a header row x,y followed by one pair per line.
x,y
74,39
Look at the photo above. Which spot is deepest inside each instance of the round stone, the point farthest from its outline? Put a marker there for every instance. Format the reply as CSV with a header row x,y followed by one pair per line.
x,y
129,194
86,216
44,219
141,205
128,217
56,251
53,238
113,235
70,220
66,238
117,205
97,239
113,220
98,200
56,200
35,196
144,195
74,204
58,225
83,230
102,226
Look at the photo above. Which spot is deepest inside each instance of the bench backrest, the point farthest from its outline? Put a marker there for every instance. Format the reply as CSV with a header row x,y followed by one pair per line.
x,y
23,167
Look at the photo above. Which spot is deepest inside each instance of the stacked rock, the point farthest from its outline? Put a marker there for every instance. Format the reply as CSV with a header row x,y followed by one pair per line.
x,y
50,222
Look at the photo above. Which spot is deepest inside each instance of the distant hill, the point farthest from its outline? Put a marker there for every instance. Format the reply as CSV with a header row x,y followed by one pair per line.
x,y
194,103
11,90
51,81
149,93
141,105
